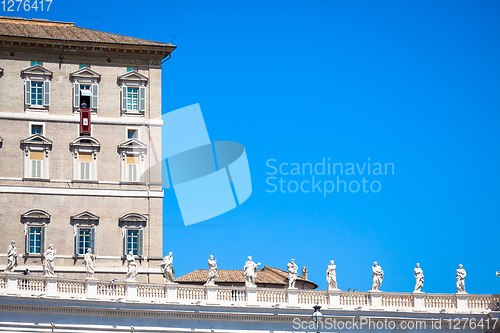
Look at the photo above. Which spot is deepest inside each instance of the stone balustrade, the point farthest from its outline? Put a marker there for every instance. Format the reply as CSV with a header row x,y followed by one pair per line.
x,y
173,293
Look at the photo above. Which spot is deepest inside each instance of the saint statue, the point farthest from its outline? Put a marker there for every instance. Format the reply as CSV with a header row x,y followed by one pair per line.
x,y
89,261
212,271
167,269
419,279
292,274
11,258
331,276
48,263
378,276
250,272
461,279
132,267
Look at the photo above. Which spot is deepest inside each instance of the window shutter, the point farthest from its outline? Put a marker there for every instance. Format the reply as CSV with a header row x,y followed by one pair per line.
x,y
27,240
124,98
92,240
77,241
46,93
142,99
76,95
132,172
140,242
36,169
94,102
27,91
42,239
125,239
84,170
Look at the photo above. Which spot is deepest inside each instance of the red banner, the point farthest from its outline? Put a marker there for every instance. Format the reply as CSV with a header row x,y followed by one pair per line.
x,y
84,121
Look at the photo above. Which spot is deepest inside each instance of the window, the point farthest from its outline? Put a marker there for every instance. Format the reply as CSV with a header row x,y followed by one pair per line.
x,y
131,68
132,166
37,129
134,241
86,240
85,161
36,154
85,88
133,225
132,133
36,163
84,65
85,151
35,239
36,93
132,154
36,62
132,94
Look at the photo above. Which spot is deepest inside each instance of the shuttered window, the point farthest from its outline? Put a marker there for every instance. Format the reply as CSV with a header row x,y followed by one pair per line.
x,y
36,164
36,93
132,99
85,240
85,161
132,166
35,240
135,241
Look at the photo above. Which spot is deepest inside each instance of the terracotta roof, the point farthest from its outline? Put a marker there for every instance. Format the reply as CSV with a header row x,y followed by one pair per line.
x,y
51,30
267,274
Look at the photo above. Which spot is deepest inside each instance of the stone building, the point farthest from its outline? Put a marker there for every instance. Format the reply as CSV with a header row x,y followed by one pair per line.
x,y
80,147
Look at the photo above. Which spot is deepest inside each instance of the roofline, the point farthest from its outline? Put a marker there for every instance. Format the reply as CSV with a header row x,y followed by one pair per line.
x,y
34,20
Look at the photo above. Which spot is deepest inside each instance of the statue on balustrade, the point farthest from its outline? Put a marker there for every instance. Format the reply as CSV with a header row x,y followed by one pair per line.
x,y
461,279
419,279
292,273
132,267
378,276
11,258
48,262
89,261
167,268
212,271
331,276
250,272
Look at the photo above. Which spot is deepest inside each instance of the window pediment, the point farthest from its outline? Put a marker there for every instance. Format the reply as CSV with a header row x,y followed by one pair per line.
x,y
37,70
37,141
132,77
85,141
133,218
37,214
85,73
133,144
85,218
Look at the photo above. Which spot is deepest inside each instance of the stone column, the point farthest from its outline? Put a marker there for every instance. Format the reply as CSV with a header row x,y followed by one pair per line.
x,y
462,305
334,299
418,301
91,288
251,295
131,290
171,291
12,281
51,286
376,299
211,292
293,297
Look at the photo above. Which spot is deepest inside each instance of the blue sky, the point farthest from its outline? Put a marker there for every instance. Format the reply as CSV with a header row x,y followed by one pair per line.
x,y
413,83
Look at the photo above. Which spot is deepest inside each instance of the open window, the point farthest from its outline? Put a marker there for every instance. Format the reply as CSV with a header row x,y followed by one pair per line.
x,y
132,154
37,88
133,225
133,96
84,225
36,156
85,89
85,150
35,222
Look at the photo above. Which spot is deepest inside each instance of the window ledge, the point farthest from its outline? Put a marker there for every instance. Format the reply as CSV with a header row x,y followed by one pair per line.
x,y
132,113
37,109
124,257
37,180
32,255
133,183
84,181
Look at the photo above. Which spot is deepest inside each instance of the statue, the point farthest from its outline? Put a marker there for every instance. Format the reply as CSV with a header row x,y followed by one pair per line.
x,y
292,273
419,279
498,274
132,267
461,279
378,276
212,271
48,263
166,267
250,272
89,261
11,258
331,276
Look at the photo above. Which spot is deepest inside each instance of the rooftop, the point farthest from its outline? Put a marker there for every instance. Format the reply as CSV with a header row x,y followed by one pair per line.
x,y
67,31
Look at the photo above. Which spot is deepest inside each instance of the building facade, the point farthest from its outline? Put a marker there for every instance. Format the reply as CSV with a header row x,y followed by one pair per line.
x,y
80,147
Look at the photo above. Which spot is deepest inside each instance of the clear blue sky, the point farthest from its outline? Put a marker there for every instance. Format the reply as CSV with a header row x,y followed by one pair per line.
x,y
413,83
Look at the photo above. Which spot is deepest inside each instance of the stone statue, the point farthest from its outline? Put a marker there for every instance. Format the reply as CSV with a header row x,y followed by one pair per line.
x,y
419,279
331,276
212,271
89,261
132,267
292,273
48,263
11,258
378,276
461,279
166,267
250,272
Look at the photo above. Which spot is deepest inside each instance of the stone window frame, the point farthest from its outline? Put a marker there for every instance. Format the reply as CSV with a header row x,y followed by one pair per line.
x,y
84,220
35,218
77,147
36,143
133,79
133,221
135,148
37,73
85,76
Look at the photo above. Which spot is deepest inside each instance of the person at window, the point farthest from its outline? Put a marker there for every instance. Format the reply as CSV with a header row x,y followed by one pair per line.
x,y
26,272
83,105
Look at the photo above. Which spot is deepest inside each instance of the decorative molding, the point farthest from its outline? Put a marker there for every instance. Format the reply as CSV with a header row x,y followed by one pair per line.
x,y
82,192
133,217
35,214
133,121
85,216
85,73
132,76
37,70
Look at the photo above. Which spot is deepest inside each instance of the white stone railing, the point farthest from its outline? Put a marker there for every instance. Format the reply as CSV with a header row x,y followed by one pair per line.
x,y
173,293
